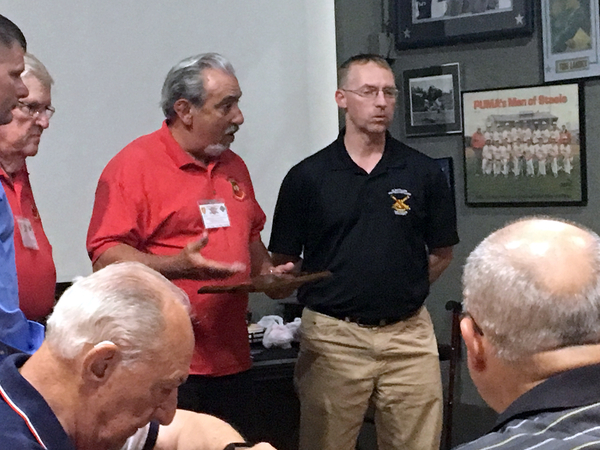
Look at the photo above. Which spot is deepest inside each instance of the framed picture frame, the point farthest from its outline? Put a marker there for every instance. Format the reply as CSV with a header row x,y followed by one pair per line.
x,y
525,146
426,23
571,39
432,100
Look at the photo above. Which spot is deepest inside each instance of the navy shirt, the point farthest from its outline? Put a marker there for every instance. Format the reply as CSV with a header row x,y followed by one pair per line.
x,y
371,230
563,412
27,422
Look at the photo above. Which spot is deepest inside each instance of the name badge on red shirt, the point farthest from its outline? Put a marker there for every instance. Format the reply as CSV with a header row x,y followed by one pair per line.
x,y
27,234
214,214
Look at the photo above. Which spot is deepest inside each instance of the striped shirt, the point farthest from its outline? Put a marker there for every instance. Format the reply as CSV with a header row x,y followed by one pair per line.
x,y
563,412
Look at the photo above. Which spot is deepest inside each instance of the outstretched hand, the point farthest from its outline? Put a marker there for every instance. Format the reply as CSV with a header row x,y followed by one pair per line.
x,y
197,267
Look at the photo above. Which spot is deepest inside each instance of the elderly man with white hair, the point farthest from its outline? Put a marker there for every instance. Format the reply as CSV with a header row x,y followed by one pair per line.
x,y
532,332
118,345
19,140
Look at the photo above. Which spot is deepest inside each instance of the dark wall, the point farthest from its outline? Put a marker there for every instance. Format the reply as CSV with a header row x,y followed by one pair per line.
x,y
483,65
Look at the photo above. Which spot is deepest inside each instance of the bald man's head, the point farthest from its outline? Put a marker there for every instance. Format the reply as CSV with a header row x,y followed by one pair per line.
x,y
534,285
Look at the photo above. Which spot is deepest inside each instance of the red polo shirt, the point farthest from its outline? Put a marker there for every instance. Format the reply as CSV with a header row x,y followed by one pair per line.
x,y
149,197
35,268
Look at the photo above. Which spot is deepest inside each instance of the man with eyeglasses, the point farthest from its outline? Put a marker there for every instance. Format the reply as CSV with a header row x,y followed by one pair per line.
x,y
19,140
17,334
531,296
379,215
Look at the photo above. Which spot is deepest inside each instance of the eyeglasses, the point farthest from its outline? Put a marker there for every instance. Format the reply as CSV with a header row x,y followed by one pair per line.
x,y
476,326
35,110
371,93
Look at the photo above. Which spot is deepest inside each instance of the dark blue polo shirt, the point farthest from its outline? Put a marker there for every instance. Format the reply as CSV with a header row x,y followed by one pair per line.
x,y
26,420
562,413
371,230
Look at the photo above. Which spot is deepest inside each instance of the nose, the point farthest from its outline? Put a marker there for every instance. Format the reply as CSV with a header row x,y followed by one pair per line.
x,y
238,117
166,410
380,99
42,121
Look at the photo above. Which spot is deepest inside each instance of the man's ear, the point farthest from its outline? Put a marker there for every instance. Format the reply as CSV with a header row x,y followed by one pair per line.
x,y
476,354
340,98
100,362
183,109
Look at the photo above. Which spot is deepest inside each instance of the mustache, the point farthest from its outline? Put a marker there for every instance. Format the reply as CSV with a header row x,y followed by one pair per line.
x,y
233,128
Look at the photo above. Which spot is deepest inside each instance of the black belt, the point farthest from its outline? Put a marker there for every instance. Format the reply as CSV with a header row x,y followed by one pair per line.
x,y
371,323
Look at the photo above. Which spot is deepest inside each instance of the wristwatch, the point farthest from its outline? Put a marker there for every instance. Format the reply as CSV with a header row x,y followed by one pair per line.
x,y
235,445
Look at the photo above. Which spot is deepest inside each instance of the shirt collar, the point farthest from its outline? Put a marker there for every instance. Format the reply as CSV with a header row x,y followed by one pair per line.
x,y
570,389
32,404
183,159
341,160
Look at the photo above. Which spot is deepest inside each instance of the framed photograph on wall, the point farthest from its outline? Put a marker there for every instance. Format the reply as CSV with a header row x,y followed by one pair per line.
x,y
425,23
571,39
432,100
525,146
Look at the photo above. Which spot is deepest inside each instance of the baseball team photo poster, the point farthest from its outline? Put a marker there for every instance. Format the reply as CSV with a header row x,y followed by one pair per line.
x,y
524,146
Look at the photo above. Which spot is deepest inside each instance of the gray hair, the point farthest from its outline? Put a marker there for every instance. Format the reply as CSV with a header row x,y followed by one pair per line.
x,y
516,309
35,68
122,303
185,80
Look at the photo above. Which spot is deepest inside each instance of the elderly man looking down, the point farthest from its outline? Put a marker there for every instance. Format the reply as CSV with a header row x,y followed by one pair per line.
x,y
532,332
20,139
118,345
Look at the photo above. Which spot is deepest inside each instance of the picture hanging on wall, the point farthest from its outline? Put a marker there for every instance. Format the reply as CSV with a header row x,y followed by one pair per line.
x,y
425,23
525,146
432,100
571,39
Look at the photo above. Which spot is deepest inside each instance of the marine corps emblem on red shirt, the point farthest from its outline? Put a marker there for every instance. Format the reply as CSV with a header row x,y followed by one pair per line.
x,y
400,197
237,190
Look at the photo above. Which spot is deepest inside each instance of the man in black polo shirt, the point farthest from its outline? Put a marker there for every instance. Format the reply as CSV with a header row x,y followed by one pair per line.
x,y
378,215
532,332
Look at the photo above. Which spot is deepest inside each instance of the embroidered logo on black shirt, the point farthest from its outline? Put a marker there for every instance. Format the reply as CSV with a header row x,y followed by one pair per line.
x,y
400,197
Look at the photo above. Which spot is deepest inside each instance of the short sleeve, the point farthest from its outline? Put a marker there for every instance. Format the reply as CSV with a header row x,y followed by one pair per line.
x,y
441,226
291,215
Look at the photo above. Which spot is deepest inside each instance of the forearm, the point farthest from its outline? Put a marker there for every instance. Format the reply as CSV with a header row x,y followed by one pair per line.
x,y
193,431
167,265
260,258
187,263
439,260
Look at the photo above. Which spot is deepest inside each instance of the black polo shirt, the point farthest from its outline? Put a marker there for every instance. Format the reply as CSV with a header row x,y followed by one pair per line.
x,y
372,231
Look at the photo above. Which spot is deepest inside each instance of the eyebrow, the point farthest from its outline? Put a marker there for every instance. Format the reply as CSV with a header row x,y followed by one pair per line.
x,y
229,99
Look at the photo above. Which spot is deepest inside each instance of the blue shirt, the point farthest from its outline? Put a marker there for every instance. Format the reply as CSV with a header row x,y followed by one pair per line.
x,y
15,330
28,422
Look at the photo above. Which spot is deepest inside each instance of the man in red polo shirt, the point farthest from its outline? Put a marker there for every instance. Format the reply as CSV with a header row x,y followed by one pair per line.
x,y
179,201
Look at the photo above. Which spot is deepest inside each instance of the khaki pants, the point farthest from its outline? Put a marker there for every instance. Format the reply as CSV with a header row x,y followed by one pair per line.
x,y
342,366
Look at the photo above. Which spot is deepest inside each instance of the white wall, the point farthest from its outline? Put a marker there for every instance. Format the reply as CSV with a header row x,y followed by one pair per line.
x,y
109,58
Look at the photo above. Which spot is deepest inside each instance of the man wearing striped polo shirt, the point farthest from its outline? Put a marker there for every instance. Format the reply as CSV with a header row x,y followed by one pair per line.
x,y
532,332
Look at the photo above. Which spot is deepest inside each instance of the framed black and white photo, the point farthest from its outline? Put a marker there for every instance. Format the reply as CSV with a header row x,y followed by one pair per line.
x,y
525,146
423,23
432,100
571,39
